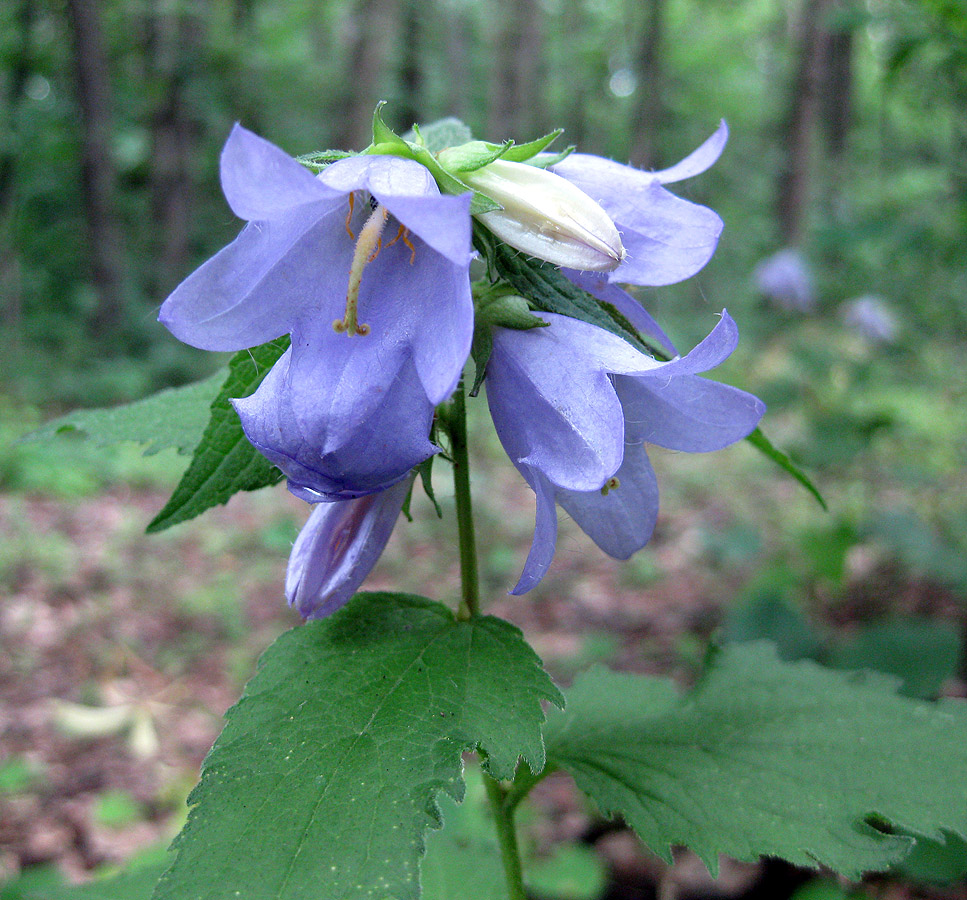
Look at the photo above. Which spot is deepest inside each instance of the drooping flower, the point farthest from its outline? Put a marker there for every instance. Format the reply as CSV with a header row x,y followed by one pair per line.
x,y
574,406
666,239
367,267
338,547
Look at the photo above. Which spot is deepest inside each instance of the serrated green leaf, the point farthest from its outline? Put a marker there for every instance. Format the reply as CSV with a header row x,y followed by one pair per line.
x,y
765,446
463,858
766,758
548,290
224,462
174,417
324,780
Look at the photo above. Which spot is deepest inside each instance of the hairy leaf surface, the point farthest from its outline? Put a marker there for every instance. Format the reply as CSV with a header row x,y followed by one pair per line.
x,y
325,778
765,758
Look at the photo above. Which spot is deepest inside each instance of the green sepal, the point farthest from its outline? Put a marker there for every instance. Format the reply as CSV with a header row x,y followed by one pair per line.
x,y
426,479
443,133
224,462
546,160
425,470
496,306
526,152
473,155
321,159
765,446
387,142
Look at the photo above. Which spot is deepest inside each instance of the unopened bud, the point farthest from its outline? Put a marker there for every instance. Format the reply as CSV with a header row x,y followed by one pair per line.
x,y
546,216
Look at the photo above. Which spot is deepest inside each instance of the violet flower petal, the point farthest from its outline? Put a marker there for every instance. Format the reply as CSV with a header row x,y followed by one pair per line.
x,y
687,412
552,401
667,239
261,181
545,532
674,408
338,547
302,424
621,521
410,193
699,160
597,284
254,289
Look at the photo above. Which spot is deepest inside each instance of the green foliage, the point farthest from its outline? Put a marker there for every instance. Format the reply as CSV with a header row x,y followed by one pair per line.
x,y
224,461
328,769
921,654
550,291
764,446
171,418
767,758
463,858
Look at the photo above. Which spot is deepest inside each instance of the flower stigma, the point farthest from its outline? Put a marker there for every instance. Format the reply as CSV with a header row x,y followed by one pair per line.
x,y
612,484
368,246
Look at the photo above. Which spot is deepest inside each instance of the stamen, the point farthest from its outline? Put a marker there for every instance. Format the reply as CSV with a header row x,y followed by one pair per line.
x,y
367,249
404,235
612,484
349,215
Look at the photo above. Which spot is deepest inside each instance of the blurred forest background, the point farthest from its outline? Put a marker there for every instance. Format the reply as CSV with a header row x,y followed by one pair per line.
x,y
847,158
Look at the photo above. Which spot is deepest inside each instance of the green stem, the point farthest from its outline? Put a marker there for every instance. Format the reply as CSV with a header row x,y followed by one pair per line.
x,y
507,837
456,425
469,577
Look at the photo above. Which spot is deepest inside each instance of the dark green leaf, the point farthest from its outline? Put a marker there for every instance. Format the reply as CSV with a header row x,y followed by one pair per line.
x,y
463,858
225,462
548,290
764,445
324,781
171,418
921,653
765,758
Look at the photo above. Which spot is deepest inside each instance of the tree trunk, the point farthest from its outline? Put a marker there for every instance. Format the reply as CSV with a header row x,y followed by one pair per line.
x,y
10,287
794,178
838,90
174,135
368,28
93,83
409,107
648,109
515,108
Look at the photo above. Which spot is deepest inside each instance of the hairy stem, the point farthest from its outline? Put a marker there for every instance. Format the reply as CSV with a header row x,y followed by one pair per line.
x,y
456,425
507,836
469,577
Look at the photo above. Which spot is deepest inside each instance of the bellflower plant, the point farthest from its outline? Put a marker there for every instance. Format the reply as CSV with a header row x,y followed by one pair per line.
x,y
366,266
348,298
666,239
574,407
337,548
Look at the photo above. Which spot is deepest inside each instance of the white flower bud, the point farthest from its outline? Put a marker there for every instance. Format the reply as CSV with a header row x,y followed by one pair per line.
x,y
546,216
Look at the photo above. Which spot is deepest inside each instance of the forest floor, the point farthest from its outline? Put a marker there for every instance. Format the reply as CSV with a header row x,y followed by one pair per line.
x,y
120,652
